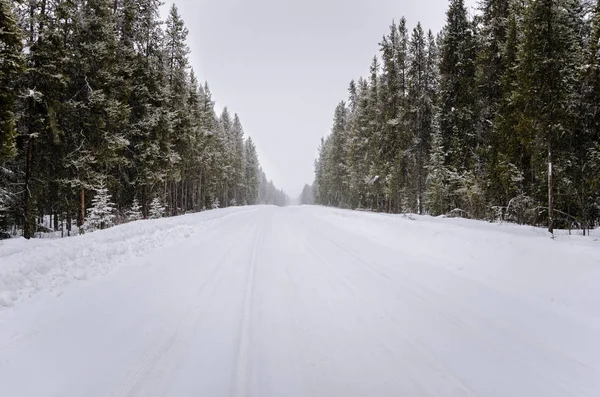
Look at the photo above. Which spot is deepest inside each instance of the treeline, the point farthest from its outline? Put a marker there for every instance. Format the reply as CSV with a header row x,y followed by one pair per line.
x,y
307,196
99,94
495,117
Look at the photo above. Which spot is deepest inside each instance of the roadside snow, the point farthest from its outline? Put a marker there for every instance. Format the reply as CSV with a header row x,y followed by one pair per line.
x,y
521,260
27,267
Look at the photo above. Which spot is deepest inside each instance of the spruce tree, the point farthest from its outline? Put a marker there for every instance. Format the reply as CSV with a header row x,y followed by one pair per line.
x,y
251,172
157,209
420,114
135,212
11,65
547,93
457,85
438,179
101,214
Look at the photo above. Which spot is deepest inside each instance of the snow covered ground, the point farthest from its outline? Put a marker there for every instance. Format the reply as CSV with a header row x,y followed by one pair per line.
x,y
301,301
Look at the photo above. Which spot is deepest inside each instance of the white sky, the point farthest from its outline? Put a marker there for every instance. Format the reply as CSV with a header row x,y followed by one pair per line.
x,y
283,66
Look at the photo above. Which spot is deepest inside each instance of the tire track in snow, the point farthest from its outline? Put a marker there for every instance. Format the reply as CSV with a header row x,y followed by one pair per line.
x,y
243,364
154,354
411,348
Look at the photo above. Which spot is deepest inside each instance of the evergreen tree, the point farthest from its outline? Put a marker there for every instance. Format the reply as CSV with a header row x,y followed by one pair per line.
x,y
457,84
438,179
135,212
359,155
337,172
307,196
177,62
237,160
421,110
548,61
251,172
508,154
157,209
376,161
493,62
11,65
101,214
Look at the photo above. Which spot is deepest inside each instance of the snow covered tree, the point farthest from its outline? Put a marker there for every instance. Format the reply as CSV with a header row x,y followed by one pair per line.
x,y
359,154
101,214
251,170
548,61
236,140
421,109
135,212
438,179
157,209
307,196
11,64
457,87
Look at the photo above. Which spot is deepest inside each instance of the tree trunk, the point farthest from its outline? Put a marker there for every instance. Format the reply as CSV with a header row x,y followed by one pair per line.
x,y
183,197
69,221
28,231
550,186
82,207
144,202
200,198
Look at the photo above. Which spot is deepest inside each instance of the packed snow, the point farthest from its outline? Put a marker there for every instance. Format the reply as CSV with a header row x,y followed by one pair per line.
x,y
301,301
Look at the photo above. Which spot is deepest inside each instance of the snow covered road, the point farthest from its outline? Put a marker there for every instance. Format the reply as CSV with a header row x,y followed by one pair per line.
x,y
302,301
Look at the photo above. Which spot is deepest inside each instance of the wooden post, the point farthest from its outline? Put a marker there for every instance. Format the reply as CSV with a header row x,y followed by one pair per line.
x,y
82,208
550,187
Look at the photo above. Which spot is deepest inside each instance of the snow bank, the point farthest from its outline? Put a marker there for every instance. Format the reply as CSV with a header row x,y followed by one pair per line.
x,y
27,267
522,261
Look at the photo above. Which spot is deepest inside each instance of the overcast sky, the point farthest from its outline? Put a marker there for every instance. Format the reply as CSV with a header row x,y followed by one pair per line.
x,y
284,65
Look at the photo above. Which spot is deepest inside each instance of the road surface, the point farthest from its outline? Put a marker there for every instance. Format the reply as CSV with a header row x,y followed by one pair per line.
x,y
282,302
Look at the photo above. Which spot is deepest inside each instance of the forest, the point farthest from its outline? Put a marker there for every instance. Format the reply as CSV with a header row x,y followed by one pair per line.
x,y
102,120
495,117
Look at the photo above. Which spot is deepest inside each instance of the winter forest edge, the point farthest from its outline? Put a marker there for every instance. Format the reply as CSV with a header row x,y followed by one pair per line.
x,y
497,117
103,121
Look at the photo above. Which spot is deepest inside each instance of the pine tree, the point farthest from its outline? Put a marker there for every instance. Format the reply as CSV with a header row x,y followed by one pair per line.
x,y
157,209
438,179
422,94
493,61
135,212
391,94
336,172
149,149
588,143
359,155
237,160
95,120
177,65
508,152
306,197
101,214
11,66
548,60
251,170
376,161
457,84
